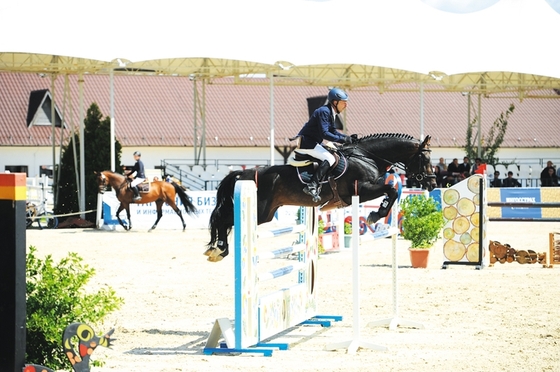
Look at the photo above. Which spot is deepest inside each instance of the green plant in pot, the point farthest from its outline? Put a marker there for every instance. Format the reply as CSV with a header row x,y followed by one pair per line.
x,y
347,235
422,224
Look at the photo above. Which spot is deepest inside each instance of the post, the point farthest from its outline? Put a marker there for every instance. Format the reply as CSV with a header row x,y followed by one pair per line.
x,y
271,76
12,272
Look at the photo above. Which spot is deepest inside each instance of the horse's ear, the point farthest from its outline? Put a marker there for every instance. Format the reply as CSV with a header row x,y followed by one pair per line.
x,y
426,142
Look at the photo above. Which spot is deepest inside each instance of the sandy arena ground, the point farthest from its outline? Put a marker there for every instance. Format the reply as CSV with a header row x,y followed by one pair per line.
x,y
504,318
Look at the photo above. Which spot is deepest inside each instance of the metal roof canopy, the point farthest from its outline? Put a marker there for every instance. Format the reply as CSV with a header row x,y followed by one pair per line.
x,y
349,76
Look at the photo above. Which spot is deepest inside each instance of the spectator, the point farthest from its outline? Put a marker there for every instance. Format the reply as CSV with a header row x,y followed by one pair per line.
x,y
478,167
465,167
441,165
440,171
544,172
551,179
496,181
439,176
510,181
454,174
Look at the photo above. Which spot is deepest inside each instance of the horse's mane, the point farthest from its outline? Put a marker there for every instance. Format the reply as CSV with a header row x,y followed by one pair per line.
x,y
385,135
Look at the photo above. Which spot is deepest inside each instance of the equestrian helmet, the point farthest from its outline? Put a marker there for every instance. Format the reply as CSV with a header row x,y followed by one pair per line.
x,y
137,153
337,94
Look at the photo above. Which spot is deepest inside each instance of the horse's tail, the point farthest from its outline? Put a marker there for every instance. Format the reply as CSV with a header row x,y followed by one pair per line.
x,y
191,209
222,215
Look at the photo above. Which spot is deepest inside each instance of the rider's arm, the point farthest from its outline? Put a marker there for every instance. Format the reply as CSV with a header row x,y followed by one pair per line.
x,y
327,128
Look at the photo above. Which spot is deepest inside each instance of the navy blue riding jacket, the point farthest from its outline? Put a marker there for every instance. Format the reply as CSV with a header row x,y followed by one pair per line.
x,y
139,169
320,127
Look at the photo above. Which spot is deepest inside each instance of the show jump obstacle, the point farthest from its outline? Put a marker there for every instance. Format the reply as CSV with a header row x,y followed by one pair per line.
x,y
355,343
259,317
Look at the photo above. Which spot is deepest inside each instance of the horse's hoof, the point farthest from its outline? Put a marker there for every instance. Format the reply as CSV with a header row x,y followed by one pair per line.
x,y
215,259
211,252
373,218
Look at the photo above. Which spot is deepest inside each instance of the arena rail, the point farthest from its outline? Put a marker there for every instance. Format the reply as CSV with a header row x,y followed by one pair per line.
x,y
525,205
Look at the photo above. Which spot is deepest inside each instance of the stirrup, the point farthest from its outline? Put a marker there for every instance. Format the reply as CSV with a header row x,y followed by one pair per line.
x,y
313,192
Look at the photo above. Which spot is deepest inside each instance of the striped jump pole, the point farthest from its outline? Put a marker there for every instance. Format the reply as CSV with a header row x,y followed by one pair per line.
x,y
13,197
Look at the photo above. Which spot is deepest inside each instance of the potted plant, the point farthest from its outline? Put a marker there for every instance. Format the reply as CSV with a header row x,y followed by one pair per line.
x,y
422,224
347,235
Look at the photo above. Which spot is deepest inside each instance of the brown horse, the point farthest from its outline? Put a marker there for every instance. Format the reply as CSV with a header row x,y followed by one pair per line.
x,y
160,192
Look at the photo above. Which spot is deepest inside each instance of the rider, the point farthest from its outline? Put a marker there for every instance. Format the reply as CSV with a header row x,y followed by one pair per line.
x,y
139,177
321,127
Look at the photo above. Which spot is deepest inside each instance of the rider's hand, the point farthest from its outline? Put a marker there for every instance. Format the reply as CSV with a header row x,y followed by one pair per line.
x,y
330,145
350,139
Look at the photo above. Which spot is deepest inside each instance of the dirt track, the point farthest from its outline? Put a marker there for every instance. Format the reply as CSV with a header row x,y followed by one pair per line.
x,y
505,318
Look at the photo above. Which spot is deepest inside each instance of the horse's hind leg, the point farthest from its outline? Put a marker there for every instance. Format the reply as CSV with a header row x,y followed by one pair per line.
x,y
217,253
178,211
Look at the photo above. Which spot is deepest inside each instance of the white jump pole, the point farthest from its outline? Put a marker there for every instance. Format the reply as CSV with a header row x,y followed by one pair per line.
x,y
395,321
356,342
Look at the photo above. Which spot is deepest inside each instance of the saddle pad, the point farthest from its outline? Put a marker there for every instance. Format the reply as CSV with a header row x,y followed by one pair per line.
x,y
144,187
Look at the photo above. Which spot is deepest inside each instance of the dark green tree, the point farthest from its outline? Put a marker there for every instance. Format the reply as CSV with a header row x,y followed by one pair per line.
x,y
97,150
491,142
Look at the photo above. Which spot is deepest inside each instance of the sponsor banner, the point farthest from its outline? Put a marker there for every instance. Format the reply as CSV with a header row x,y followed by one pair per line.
x,y
520,195
144,215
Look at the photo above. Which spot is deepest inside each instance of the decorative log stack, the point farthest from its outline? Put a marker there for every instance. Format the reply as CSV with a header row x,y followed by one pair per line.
x,y
503,253
554,248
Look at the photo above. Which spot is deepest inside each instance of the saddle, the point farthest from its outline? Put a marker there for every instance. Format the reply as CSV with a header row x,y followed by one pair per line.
x,y
144,186
306,164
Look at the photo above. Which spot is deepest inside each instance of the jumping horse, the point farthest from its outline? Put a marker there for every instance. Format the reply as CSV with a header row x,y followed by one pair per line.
x,y
364,162
160,192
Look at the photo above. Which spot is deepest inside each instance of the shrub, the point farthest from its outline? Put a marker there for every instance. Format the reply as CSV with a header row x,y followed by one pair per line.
x,y
56,297
422,221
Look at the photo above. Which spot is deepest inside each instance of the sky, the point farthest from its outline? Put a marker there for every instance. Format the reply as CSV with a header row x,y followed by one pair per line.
x,y
469,6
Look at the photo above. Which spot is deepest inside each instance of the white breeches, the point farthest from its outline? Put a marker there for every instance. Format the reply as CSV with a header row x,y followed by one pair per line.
x,y
136,181
319,152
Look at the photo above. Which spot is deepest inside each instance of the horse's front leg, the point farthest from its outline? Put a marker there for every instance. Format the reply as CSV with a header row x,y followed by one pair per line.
x,y
118,218
128,216
217,253
385,206
159,204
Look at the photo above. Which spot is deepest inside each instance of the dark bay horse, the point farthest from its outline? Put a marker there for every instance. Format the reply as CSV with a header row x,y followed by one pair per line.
x,y
367,162
160,192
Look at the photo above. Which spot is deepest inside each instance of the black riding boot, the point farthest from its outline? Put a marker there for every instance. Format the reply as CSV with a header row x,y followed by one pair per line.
x,y
313,188
136,193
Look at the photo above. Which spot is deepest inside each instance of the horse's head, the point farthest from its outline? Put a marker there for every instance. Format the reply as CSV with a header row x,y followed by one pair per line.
x,y
397,149
420,166
102,182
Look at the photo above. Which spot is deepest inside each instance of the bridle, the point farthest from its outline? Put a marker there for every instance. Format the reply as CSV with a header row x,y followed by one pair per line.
x,y
103,184
420,174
